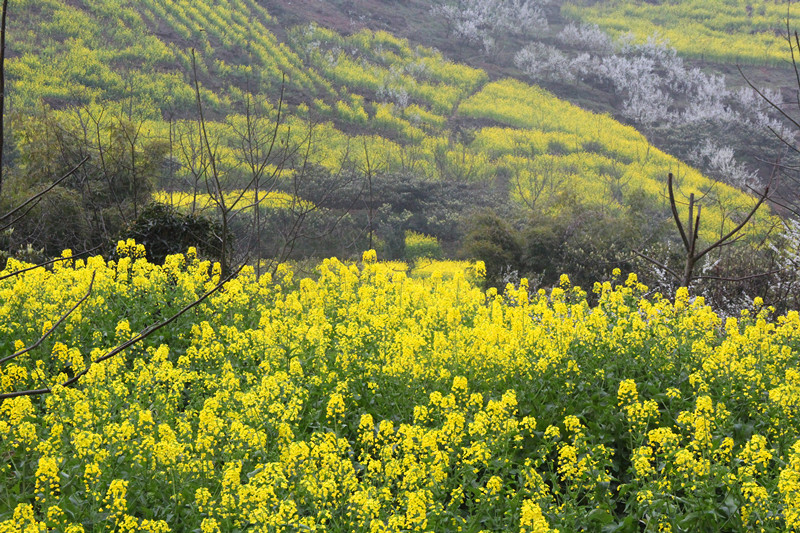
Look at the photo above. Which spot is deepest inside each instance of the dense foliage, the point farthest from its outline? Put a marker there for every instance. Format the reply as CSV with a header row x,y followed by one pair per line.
x,y
366,400
164,230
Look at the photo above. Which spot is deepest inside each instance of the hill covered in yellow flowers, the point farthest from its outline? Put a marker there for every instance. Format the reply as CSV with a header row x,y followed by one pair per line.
x,y
406,107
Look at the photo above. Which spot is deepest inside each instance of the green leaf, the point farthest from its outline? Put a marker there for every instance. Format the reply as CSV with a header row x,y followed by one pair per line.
x,y
600,515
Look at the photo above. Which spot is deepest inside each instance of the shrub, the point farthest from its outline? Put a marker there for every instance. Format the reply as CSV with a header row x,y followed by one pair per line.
x,y
419,245
494,242
163,230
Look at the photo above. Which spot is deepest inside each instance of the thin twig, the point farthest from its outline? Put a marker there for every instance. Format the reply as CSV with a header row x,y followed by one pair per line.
x,y
125,345
767,100
744,222
46,263
53,327
42,193
20,217
743,278
660,265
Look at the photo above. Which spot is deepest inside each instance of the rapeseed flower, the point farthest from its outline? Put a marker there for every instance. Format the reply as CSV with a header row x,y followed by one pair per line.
x,y
364,399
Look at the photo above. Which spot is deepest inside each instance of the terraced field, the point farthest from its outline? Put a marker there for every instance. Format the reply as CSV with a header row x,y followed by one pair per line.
x,y
734,31
405,104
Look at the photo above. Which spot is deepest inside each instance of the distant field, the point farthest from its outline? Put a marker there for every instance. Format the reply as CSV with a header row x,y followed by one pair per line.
x,y
408,108
736,31
204,203
549,144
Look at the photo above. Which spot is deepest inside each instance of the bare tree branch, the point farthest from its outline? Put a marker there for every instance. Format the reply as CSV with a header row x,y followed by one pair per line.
x,y
660,265
675,212
127,344
50,262
20,217
691,237
738,228
743,278
38,195
764,97
53,327
217,195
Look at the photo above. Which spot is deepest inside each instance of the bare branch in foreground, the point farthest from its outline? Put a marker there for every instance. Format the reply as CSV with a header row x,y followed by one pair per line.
x,y
690,235
53,327
50,262
660,265
743,278
125,345
38,195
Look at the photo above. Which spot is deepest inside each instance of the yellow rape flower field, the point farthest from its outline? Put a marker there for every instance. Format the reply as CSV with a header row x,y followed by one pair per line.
x,y
367,400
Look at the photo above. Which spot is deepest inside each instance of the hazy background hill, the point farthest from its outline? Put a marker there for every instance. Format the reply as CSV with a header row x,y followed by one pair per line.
x,y
712,40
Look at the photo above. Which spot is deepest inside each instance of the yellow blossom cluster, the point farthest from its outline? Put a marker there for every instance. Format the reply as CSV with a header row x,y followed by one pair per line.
x,y
363,399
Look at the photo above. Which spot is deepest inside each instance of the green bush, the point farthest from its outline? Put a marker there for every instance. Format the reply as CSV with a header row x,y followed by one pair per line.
x,y
419,245
163,230
497,244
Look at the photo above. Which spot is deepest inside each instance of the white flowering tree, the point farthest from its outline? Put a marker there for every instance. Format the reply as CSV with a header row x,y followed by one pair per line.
x,y
482,21
658,92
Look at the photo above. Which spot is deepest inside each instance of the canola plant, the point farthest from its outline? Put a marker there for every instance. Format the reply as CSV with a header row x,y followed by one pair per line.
x,y
364,399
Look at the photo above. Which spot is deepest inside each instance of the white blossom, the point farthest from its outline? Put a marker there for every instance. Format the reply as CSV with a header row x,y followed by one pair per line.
x,y
482,21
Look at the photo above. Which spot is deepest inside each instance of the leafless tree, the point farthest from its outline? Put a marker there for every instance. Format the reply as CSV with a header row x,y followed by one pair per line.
x,y
690,238
537,180
319,199
264,158
3,19
263,152
193,159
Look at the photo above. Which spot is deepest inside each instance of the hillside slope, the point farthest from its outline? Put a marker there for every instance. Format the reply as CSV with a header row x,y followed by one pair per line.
x,y
600,68
364,101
